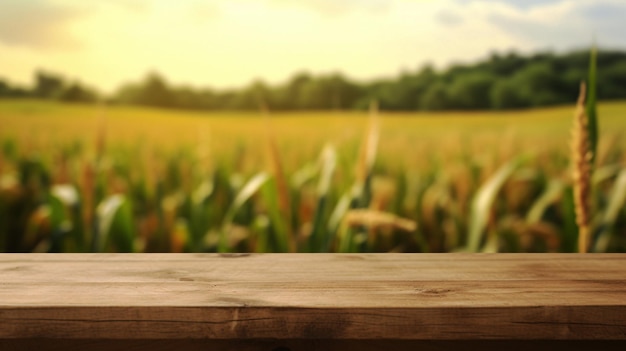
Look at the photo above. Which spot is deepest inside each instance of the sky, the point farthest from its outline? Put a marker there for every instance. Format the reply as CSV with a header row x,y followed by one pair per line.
x,y
230,43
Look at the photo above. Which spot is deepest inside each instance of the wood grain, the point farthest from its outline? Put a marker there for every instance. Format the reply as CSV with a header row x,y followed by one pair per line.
x,y
435,297
304,345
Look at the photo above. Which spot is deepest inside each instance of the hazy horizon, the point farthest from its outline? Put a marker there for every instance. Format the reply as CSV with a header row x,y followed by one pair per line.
x,y
228,44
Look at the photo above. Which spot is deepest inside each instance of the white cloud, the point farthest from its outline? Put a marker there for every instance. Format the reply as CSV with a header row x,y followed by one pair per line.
x,y
37,24
520,4
566,24
449,18
341,7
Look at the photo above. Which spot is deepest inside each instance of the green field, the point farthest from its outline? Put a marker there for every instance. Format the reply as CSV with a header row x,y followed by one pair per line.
x,y
87,178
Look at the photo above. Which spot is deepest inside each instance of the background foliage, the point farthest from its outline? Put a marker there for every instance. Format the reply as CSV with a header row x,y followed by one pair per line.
x,y
503,81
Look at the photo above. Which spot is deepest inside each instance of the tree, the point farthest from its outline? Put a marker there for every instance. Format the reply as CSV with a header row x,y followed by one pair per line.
x,y
186,97
505,95
343,93
471,91
613,80
127,94
4,88
47,85
502,81
504,65
259,94
155,92
75,92
435,98
313,96
539,85
393,95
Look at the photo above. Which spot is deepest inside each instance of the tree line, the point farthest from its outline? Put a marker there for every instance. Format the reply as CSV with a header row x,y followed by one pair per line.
x,y
502,81
50,86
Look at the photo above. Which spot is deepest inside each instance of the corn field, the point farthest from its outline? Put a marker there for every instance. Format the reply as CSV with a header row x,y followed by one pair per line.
x,y
316,190
95,179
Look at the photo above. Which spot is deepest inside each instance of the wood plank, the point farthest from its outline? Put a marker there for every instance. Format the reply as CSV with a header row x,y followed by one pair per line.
x,y
303,345
313,296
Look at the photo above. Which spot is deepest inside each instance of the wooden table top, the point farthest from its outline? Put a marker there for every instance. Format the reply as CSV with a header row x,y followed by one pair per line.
x,y
310,296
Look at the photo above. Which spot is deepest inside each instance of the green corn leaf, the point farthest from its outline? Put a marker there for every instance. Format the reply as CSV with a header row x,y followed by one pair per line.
x,y
551,194
483,201
346,239
569,242
59,223
304,175
340,210
115,225
36,237
320,238
105,212
250,188
261,229
605,172
616,203
67,195
202,192
618,195
591,109
279,223
194,209
329,163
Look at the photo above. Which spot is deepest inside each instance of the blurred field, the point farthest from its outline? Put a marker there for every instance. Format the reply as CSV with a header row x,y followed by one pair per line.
x,y
404,135
158,180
